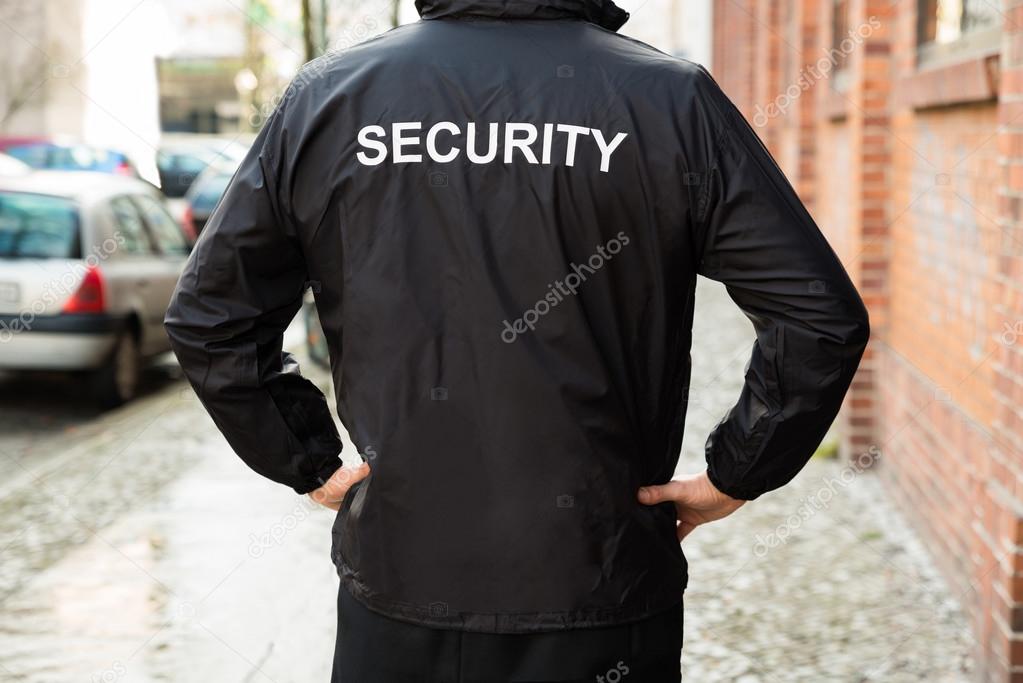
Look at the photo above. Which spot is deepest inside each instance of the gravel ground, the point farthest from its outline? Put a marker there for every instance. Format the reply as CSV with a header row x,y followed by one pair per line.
x,y
820,580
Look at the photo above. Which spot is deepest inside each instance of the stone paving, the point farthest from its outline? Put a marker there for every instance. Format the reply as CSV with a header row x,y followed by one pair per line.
x,y
134,547
821,580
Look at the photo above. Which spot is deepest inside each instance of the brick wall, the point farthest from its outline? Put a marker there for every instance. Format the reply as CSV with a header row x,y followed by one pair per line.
x,y
733,51
914,170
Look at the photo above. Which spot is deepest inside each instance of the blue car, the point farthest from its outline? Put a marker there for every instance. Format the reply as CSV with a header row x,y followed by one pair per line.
x,y
45,153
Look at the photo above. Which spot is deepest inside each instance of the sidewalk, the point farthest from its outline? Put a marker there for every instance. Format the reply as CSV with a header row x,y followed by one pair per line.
x,y
821,580
848,596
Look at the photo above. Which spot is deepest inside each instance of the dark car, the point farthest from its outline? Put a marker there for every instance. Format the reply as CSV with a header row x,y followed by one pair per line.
x,y
204,195
181,161
54,155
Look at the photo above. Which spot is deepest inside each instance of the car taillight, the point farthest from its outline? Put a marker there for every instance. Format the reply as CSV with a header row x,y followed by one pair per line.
x,y
90,297
188,225
124,168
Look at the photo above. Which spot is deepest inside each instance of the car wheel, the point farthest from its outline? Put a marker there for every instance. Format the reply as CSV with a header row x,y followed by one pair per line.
x,y
117,382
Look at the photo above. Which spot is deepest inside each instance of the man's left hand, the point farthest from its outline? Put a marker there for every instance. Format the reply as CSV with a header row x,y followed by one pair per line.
x,y
331,494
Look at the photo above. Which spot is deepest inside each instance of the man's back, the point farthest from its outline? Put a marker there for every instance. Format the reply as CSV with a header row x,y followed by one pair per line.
x,y
512,418
502,211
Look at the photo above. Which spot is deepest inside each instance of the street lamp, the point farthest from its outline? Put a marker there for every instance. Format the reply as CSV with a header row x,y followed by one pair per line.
x,y
245,82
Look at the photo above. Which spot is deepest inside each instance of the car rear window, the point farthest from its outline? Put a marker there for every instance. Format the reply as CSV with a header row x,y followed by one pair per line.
x,y
209,193
38,226
35,154
185,162
64,157
80,158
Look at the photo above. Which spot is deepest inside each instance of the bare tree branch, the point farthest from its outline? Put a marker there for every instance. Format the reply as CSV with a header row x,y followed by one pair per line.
x,y
25,66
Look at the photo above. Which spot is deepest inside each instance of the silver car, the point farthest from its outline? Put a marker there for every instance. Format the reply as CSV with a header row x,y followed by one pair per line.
x,y
88,263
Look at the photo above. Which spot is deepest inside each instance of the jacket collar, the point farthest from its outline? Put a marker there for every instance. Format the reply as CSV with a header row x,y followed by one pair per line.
x,y
604,13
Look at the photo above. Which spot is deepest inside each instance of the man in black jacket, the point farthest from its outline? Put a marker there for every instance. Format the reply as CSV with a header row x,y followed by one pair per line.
x,y
502,210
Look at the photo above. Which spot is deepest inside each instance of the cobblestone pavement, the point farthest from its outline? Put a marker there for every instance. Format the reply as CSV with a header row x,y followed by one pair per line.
x,y
135,547
821,580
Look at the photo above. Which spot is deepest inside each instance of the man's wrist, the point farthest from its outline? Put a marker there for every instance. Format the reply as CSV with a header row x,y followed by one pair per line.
x,y
716,493
733,492
322,475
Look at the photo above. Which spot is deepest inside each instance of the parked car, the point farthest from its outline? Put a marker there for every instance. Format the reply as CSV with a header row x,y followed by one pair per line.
x,y
45,153
181,159
88,263
11,166
205,194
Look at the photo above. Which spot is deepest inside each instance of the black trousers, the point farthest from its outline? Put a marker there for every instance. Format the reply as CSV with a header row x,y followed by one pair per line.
x,y
372,648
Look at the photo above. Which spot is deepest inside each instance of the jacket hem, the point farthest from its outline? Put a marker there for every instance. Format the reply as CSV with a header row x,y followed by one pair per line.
x,y
439,615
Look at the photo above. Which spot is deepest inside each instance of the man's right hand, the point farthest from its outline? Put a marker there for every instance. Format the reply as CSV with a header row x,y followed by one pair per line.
x,y
697,501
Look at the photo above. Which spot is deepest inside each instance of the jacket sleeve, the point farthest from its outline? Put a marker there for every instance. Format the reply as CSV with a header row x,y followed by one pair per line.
x,y
811,325
242,286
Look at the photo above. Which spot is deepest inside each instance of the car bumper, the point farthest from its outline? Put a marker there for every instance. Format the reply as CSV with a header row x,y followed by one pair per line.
x,y
62,342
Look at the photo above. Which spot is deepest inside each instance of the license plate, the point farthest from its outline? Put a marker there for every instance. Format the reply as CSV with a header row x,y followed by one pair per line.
x,y
10,293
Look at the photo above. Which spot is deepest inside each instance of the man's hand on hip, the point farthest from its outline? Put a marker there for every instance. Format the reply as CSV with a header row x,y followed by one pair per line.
x,y
696,500
332,493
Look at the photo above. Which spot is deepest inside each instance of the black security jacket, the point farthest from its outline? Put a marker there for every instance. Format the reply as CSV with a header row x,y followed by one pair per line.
x,y
502,210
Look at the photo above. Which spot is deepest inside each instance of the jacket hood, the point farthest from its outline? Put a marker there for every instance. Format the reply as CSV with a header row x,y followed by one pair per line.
x,y
604,13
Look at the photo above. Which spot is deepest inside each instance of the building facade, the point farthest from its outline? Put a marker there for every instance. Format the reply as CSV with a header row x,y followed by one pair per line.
x,y
81,70
901,126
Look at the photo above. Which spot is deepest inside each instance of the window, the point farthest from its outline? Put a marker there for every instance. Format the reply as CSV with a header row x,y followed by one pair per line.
x,y
62,157
38,226
952,25
165,231
36,155
130,227
189,163
78,158
840,33
208,194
